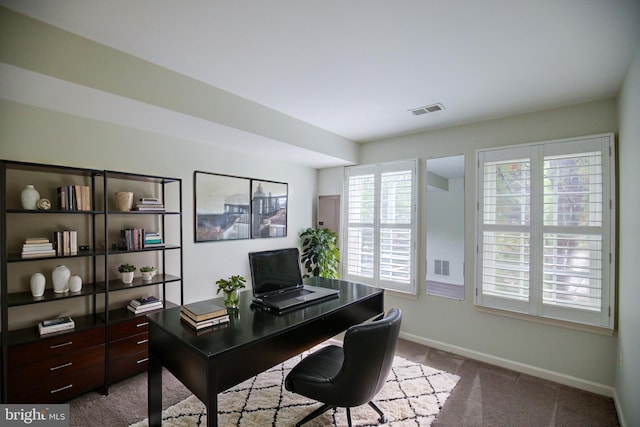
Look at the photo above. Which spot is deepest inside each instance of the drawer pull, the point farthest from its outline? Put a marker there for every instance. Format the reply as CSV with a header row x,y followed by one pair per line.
x,y
142,324
64,365
64,344
142,342
142,360
61,388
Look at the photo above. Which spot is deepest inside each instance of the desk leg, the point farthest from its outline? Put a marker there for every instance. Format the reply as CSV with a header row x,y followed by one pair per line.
x,y
154,392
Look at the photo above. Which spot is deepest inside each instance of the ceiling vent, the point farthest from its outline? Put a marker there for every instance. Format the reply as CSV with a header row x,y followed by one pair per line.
x,y
427,109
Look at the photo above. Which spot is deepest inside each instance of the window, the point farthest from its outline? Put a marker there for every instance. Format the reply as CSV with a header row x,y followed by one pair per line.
x,y
380,227
546,230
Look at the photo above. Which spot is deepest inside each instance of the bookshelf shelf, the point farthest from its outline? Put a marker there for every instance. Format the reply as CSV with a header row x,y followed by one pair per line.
x,y
100,305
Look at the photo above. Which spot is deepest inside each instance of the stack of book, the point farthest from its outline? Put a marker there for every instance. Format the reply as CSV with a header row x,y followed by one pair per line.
x,y
144,304
35,247
152,239
150,204
56,325
74,198
201,315
66,242
132,239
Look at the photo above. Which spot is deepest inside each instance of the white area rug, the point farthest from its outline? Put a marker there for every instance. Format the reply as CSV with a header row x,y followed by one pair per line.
x,y
412,396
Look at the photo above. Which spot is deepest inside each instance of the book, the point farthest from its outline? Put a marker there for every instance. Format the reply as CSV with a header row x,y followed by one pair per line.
x,y
203,310
145,308
204,323
36,254
36,240
144,304
150,200
56,325
144,301
37,247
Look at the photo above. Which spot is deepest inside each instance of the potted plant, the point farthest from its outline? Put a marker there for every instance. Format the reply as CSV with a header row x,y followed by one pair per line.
x,y
231,288
126,272
320,254
148,272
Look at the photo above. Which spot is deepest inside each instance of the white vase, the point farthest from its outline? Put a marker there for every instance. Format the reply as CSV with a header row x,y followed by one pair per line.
x,y
124,201
75,284
127,277
29,197
38,282
60,277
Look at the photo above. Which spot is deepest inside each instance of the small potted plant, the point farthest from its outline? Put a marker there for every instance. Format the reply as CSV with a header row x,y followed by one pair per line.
x,y
126,272
148,272
231,288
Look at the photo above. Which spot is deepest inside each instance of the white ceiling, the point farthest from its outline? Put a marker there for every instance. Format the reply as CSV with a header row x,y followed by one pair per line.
x,y
354,67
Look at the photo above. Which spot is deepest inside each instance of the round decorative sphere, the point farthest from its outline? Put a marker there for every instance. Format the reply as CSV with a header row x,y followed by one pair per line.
x,y
60,277
38,282
43,204
29,197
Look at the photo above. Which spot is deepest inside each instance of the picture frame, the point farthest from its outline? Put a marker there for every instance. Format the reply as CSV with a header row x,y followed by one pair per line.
x,y
269,202
222,207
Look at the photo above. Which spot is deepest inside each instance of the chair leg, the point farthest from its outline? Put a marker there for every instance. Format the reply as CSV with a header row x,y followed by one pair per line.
x,y
382,418
321,410
349,417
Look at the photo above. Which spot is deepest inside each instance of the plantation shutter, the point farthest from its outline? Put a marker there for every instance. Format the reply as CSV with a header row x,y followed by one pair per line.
x,y
545,221
380,225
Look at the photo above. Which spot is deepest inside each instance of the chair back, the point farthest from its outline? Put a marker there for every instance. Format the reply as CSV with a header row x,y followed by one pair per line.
x,y
369,349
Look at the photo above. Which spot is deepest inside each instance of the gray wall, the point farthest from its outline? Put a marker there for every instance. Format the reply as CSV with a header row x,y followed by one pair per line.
x,y
573,357
43,136
627,378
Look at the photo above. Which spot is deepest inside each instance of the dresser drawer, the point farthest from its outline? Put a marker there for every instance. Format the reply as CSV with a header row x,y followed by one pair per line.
x,y
52,347
129,346
50,370
60,389
128,366
128,328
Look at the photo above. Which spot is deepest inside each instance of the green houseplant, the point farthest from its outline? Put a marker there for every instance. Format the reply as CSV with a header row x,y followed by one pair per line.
x,y
231,288
148,272
126,272
320,254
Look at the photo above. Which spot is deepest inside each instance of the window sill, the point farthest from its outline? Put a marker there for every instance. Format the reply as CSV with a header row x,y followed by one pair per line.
x,y
545,321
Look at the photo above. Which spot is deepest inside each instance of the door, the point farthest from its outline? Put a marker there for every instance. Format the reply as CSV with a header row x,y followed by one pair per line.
x,y
329,213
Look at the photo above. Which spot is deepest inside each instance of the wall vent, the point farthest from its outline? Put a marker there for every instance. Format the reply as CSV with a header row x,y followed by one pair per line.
x,y
427,109
441,267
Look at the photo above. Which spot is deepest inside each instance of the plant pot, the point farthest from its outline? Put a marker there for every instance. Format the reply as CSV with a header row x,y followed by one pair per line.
x,y
148,275
232,298
124,201
127,277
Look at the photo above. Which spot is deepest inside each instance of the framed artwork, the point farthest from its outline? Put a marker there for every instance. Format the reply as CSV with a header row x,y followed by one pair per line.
x,y
222,207
268,209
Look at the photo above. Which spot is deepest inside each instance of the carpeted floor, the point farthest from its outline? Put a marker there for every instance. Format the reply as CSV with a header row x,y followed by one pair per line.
x,y
412,396
486,395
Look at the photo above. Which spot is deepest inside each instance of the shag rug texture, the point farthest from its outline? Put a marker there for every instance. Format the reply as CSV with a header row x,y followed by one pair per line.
x,y
412,396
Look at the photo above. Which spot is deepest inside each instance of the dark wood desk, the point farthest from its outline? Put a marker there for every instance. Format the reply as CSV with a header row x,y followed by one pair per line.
x,y
252,342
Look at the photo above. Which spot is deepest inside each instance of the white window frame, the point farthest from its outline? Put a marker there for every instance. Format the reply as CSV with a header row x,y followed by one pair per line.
x,y
374,278
535,228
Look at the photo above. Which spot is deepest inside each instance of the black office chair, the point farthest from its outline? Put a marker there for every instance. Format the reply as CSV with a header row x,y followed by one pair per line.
x,y
350,375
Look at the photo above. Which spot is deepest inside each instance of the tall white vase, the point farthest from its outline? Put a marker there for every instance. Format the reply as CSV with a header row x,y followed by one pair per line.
x,y
38,282
60,277
29,197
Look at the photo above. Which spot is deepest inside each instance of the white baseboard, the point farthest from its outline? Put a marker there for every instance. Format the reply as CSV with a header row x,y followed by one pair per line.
x,y
514,366
616,402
